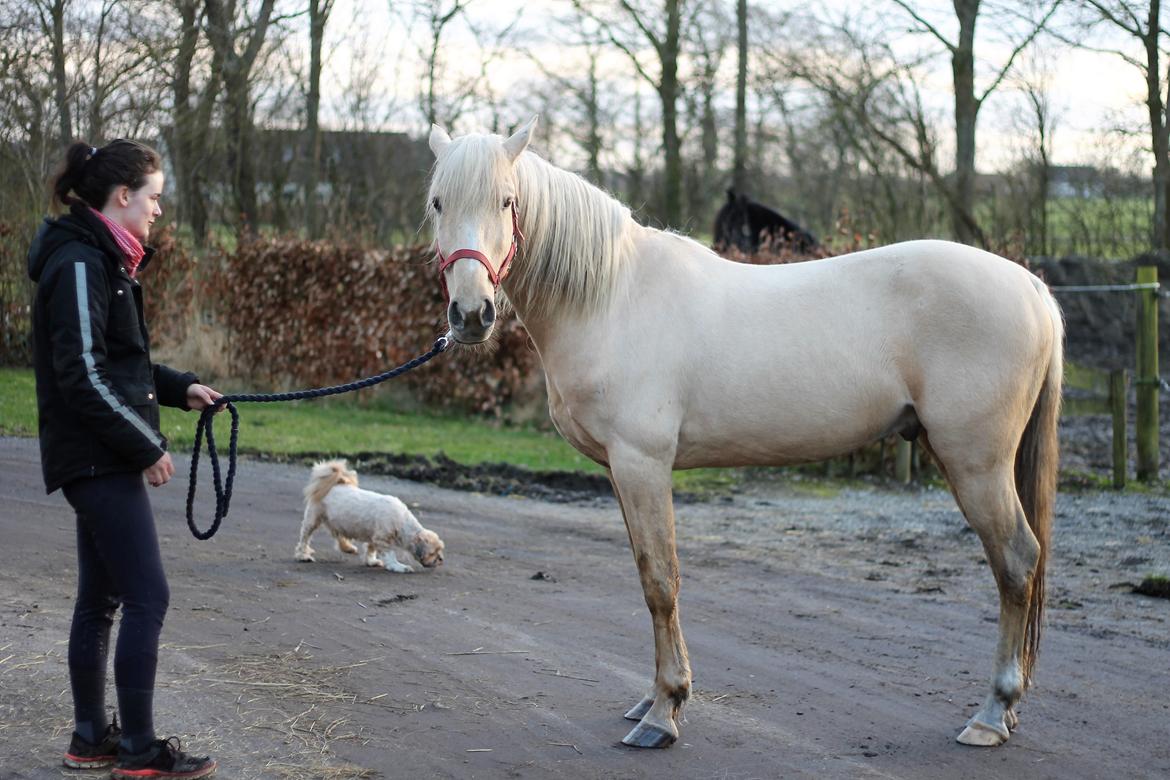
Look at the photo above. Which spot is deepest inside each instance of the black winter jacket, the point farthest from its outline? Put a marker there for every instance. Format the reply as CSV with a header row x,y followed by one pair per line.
x,y
97,392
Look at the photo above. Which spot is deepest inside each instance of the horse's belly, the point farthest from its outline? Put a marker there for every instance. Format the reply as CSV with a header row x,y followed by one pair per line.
x,y
763,434
758,448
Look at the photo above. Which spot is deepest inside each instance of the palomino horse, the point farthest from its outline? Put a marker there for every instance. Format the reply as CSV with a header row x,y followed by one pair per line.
x,y
660,355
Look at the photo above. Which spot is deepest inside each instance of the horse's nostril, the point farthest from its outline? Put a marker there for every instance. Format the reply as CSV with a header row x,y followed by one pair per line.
x,y
454,316
489,313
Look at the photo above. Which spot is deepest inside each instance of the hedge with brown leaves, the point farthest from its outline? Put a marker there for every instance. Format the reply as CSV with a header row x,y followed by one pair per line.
x,y
302,313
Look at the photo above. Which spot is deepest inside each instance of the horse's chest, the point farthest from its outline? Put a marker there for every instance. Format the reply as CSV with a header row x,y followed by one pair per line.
x,y
571,417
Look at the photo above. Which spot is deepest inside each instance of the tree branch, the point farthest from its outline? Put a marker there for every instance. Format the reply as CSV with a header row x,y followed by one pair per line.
x,y
1016,52
930,28
609,34
650,36
1108,15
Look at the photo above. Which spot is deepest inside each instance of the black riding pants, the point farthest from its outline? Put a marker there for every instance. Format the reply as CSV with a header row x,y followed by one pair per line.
x,y
118,564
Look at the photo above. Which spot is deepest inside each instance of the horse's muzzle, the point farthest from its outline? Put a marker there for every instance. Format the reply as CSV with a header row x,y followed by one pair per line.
x,y
472,327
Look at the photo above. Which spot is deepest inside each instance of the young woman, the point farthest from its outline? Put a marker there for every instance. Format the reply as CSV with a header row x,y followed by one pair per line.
x,y
98,396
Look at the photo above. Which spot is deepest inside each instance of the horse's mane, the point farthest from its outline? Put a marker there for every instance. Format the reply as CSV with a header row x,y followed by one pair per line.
x,y
576,238
575,235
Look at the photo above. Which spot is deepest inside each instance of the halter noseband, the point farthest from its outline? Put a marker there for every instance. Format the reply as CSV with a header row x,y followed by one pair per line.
x,y
459,254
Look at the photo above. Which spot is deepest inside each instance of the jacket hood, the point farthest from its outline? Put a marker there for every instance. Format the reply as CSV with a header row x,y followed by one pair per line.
x,y
53,233
78,225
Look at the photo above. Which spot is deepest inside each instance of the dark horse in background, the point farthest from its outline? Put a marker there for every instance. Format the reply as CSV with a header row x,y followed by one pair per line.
x,y
746,225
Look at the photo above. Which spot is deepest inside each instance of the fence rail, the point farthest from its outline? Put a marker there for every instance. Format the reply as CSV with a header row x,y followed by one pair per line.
x,y
1147,382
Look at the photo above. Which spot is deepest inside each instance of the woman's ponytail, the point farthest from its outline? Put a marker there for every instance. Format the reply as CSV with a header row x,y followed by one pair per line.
x,y
69,173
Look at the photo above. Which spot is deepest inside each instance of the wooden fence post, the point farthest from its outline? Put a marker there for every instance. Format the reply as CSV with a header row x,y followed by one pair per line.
x,y
902,461
1118,384
1148,380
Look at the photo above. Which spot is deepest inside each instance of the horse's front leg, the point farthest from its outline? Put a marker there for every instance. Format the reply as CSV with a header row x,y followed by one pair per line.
x,y
642,485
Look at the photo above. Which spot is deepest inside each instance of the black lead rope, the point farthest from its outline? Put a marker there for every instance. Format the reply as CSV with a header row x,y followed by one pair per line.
x,y
223,490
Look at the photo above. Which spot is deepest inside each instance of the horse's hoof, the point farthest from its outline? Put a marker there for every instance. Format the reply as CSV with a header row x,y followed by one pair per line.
x,y
1013,720
647,735
639,710
979,734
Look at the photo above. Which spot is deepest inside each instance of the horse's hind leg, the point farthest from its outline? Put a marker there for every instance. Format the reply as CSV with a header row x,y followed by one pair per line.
x,y
991,505
642,485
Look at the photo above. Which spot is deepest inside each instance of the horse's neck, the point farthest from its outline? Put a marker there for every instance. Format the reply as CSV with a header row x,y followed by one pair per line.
x,y
557,331
547,330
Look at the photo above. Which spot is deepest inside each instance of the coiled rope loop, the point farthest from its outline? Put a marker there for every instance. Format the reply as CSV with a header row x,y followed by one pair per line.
x,y
223,489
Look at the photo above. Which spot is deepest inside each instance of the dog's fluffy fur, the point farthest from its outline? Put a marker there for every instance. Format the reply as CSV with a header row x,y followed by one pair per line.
x,y
333,499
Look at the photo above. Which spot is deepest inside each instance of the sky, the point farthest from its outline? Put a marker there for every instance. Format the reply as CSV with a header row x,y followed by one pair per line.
x,y
1089,91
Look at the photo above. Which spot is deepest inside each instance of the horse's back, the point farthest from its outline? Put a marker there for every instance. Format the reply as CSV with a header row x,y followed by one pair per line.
x,y
901,287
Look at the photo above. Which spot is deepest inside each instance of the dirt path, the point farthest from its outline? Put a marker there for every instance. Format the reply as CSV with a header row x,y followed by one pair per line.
x,y
844,637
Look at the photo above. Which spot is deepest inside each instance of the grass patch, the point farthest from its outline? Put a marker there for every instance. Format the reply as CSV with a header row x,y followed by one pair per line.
x,y
1156,585
340,426
18,402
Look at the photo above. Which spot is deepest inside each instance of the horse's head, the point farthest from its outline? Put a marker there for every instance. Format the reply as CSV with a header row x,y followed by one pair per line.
x,y
472,207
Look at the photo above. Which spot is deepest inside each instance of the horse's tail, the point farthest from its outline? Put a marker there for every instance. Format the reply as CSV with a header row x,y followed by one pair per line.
x,y
1036,475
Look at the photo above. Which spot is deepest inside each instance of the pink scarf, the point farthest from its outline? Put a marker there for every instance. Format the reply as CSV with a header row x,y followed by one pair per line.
x,y
131,247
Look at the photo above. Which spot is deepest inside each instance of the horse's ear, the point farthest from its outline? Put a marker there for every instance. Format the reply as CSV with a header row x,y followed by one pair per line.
x,y
439,140
518,141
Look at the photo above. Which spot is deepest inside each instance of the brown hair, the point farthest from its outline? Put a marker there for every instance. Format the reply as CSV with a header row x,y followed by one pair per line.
x,y
89,174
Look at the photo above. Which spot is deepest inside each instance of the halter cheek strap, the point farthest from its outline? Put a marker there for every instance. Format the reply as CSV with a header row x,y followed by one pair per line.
x,y
446,260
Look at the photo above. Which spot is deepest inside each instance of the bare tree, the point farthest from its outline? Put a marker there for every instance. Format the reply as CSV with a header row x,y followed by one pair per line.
x,y
120,89
190,130
658,28
52,18
874,98
29,127
437,16
1142,21
739,164
319,11
79,68
1037,128
362,199
636,174
238,43
584,82
447,91
968,98
707,39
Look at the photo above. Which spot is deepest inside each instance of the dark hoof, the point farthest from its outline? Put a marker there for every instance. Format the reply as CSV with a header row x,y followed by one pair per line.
x,y
647,736
639,710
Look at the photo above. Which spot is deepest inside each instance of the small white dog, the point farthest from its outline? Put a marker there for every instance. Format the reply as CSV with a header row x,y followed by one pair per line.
x,y
333,499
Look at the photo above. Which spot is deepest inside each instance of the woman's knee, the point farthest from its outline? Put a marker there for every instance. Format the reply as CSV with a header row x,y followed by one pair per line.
x,y
97,606
150,602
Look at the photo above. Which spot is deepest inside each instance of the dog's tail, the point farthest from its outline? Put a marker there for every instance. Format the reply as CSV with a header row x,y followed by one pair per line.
x,y
325,476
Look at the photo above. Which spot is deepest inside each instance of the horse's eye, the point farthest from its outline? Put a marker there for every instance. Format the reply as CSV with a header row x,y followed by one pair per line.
x,y
508,203
436,206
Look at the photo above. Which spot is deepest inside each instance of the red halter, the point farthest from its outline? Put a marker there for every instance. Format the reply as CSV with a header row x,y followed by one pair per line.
x,y
458,254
